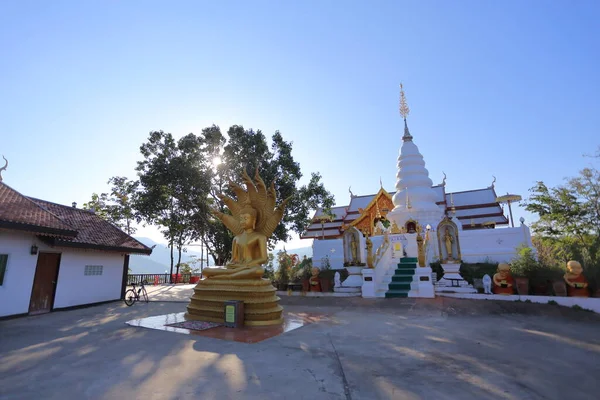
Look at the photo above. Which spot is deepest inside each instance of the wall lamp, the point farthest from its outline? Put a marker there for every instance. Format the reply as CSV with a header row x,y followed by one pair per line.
x,y
34,249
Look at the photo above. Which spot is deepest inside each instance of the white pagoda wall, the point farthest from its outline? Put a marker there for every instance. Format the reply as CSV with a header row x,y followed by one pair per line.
x,y
496,245
323,247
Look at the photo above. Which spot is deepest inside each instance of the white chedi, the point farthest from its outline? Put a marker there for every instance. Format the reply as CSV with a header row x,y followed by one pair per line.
x,y
414,198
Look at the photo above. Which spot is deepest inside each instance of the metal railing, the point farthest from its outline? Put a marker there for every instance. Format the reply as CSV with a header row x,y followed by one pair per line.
x,y
151,279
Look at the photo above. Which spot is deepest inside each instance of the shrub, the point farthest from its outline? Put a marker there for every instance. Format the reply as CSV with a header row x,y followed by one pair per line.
x,y
470,271
526,265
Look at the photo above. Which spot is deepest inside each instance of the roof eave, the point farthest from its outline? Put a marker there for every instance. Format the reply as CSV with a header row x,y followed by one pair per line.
x,y
37,229
119,249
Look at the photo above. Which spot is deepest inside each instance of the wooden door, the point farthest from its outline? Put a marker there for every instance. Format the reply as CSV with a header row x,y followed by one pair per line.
x,y
44,283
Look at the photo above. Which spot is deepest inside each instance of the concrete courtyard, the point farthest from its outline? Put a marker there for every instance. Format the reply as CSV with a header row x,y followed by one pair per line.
x,y
366,349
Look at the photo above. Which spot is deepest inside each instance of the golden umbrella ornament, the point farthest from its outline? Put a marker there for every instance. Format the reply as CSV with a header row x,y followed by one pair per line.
x,y
508,198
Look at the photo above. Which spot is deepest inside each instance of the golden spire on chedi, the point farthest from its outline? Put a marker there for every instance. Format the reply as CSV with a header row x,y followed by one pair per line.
x,y
254,217
404,110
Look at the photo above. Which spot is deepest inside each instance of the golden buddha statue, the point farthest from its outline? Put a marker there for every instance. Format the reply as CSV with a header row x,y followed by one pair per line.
x,y
248,251
503,280
576,282
253,219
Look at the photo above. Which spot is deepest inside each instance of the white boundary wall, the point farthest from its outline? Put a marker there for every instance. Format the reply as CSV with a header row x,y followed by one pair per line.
x,y
493,244
589,303
323,247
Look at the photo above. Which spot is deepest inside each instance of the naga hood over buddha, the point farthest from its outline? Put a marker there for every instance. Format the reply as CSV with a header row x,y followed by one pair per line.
x,y
254,217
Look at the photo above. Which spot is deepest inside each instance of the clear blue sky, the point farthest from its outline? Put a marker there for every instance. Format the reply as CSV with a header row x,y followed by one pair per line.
x,y
495,88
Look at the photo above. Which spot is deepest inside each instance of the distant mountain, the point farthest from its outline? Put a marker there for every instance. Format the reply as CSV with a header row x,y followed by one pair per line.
x,y
301,251
160,259
146,265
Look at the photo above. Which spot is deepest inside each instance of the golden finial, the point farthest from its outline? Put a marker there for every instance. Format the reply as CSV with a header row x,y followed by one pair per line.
x,y
404,110
380,183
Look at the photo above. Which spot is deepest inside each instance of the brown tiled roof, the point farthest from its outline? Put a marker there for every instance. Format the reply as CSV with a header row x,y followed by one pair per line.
x,y
20,213
63,226
92,231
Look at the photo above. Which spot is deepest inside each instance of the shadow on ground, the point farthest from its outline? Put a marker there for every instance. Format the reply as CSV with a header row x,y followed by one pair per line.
x,y
367,349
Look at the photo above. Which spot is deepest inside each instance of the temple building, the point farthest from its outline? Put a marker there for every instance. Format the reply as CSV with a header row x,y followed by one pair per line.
x,y
467,226
475,209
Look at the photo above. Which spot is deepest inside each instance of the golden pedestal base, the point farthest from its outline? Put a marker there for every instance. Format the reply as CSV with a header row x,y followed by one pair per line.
x,y
260,301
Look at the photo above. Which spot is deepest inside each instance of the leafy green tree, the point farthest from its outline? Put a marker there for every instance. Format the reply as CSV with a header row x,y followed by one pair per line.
x,y
117,207
172,187
569,219
99,204
249,149
122,196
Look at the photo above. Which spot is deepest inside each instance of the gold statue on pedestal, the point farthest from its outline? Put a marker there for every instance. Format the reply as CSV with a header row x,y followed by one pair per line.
x,y
253,219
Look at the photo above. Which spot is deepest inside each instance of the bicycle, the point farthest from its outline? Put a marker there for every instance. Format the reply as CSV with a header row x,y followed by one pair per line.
x,y
132,295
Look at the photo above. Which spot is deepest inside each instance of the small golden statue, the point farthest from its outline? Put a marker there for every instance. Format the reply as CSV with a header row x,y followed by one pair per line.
x,y
576,282
354,250
253,219
421,250
448,240
370,256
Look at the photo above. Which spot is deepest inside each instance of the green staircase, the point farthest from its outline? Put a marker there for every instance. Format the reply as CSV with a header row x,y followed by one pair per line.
x,y
402,278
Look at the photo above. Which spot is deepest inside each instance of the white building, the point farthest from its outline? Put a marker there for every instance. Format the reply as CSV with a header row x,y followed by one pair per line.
x,y
56,257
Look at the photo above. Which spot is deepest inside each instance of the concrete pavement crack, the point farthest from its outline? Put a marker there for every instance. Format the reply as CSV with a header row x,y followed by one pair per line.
x,y
344,380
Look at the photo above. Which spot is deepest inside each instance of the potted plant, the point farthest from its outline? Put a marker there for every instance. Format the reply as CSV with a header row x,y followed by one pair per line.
x,y
326,275
559,287
304,274
592,273
526,269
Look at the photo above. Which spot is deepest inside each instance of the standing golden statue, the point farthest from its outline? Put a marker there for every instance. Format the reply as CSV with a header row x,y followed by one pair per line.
x,y
254,217
354,250
448,239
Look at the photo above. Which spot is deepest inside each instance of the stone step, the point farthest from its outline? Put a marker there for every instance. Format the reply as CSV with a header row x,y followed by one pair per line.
x,y
396,293
405,271
406,265
402,278
408,260
399,286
